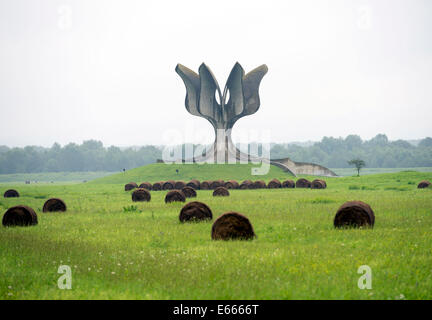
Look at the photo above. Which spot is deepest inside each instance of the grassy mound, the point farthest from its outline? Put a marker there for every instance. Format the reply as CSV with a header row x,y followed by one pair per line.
x,y
186,172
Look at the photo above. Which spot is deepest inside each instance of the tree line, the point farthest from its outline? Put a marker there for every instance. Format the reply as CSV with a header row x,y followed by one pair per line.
x,y
377,152
91,155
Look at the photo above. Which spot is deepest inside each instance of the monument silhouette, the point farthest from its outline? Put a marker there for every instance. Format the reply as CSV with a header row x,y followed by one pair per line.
x,y
239,98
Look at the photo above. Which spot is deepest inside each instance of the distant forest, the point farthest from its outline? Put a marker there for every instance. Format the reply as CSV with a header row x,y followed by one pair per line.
x,y
91,155
377,152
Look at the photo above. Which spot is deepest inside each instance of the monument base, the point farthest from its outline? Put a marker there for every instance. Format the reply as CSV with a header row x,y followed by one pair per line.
x,y
297,168
227,153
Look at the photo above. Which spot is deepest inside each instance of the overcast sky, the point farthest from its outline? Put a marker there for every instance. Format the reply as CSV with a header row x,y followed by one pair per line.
x,y
97,69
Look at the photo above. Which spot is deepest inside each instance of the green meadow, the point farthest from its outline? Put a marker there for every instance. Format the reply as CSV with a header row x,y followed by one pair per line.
x,y
118,249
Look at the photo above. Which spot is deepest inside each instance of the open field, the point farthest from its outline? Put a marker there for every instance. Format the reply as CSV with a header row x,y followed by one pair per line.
x,y
48,177
78,177
124,250
353,171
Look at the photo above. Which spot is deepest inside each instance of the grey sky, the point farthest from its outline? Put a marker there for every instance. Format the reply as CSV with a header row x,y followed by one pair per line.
x,y
77,70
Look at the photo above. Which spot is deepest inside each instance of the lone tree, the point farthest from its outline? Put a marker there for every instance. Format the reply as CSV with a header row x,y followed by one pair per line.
x,y
358,163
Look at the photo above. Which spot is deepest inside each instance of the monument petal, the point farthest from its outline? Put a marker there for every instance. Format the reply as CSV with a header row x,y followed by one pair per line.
x,y
240,98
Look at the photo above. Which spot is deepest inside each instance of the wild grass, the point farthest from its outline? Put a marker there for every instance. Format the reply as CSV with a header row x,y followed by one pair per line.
x,y
118,249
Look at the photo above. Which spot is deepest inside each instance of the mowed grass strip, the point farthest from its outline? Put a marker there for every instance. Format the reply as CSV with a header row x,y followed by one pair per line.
x,y
119,249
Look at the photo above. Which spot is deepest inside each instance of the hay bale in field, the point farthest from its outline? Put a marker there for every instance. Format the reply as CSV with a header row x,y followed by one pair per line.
x,y
168,185
205,185
11,193
423,184
245,184
130,186
259,184
288,184
195,211
141,194
179,185
216,184
221,192
303,183
19,216
231,184
189,192
354,214
175,195
54,205
318,184
157,186
323,181
274,184
145,185
194,184
232,226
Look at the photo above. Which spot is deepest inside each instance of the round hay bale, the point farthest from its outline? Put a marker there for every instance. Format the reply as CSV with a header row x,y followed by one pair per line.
x,y
288,184
323,182
130,186
423,184
354,214
194,184
318,184
168,185
274,184
141,194
175,195
195,211
11,193
54,205
20,216
259,184
189,192
303,183
232,226
221,192
231,184
245,184
157,186
205,185
216,184
179,185
145,185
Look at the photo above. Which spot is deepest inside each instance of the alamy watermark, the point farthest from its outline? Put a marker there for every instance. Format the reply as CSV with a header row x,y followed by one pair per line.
x,y
365,281
64,20
64,281
364,17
